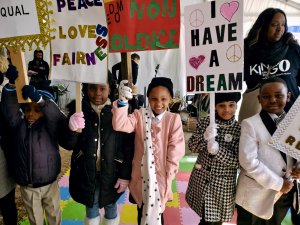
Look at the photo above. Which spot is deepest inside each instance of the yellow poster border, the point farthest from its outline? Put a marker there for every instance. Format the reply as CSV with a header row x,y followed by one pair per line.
x,y
39,40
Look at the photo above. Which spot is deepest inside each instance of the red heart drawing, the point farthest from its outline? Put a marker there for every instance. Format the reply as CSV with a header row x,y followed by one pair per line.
x,y
196,61
228,9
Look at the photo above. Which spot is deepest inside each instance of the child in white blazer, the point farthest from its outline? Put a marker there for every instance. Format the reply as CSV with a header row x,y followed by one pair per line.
x,y
159,145
265,171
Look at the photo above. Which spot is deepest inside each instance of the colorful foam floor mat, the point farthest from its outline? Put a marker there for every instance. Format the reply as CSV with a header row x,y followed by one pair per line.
x,y
177,212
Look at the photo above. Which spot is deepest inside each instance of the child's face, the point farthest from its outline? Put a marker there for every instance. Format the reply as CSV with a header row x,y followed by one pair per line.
x,y
98,93
32,112
226,110
159,99
273,97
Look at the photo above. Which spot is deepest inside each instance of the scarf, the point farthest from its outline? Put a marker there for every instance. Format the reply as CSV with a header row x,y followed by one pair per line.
x,y
97,109
151,195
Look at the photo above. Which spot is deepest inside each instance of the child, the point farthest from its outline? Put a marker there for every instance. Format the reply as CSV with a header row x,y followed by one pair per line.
x,y
159,145
36,156
265,170
101,159
211,189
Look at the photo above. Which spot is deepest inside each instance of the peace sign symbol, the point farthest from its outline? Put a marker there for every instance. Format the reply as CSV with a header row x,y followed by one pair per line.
x,y
234,53
196,18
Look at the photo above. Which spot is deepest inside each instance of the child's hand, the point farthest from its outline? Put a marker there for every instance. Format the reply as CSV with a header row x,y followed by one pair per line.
x,y
287,186
210,132
213,147
76,121
125,92
29,91
121,185
12,74
295,173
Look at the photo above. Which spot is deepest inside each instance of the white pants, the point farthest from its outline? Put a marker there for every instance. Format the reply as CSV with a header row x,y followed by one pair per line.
x,y
43,199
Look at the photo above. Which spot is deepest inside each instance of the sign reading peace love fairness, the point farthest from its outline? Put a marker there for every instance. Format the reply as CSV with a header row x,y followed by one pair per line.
x,y
136,25
79,50
214,46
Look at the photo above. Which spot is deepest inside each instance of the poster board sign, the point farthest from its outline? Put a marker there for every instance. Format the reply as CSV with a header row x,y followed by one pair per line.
x,y
287,136
19,17
214,46
136,25
79,49
26,23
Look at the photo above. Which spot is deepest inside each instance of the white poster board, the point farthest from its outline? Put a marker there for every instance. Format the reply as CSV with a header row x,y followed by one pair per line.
x,y
18,18
287,136
79,50
214,46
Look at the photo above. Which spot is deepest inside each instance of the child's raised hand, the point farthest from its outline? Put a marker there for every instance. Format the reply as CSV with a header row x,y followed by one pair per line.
x,y
121,185
76,121
295,173
210,132
29,91
125,92
12,74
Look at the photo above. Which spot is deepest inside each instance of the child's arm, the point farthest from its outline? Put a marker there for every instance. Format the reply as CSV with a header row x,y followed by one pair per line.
x,y
176,148
249,159
10,106
196,143
228,153
121,121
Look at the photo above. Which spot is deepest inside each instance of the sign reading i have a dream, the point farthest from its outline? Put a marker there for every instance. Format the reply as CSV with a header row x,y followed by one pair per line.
x,y
214,46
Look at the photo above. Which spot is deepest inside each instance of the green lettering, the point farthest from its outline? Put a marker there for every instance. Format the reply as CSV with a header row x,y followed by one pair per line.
x,y
171,13
222,83
134,7
210,83
127,45
153,10
116,42
100,54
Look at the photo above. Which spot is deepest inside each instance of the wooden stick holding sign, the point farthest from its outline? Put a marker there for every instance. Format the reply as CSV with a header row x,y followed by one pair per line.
x,y
78,99
18,60
126,68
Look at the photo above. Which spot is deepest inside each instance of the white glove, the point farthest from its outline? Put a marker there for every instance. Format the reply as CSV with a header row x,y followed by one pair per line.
x,y
210,132
213,147
125,92
121,185
76,121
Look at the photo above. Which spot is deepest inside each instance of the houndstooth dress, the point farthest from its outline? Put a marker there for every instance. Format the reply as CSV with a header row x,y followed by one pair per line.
x,y
212,185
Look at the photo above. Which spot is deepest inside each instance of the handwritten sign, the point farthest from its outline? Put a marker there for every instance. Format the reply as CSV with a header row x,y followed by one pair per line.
x,y
287,136
79,50
214,46
24,23
143,25
15,17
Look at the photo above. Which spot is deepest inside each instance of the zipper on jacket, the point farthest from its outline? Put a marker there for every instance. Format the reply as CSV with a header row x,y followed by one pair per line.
x,y
29,159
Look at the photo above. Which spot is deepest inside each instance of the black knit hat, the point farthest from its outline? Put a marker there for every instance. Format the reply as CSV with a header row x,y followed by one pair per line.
x,y
161,81
227,96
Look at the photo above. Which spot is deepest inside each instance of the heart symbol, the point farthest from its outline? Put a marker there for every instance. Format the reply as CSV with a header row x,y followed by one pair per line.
x,y
228,9
196,61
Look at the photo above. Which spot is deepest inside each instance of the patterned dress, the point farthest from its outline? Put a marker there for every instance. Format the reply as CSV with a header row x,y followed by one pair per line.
x,y
212,185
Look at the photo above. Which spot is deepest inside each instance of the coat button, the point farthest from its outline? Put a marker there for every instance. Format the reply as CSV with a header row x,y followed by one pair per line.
x,y
95,139
95,124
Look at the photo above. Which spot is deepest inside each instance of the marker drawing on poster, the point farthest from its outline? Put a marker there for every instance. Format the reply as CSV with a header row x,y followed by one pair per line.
x,y
214,46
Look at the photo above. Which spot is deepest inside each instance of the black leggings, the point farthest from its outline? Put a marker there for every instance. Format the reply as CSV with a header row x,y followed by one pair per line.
x,y
8,209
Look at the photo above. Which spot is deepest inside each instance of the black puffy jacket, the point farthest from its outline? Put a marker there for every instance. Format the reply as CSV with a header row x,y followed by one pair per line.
x,y
36,158
116,155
